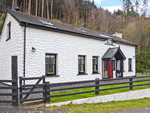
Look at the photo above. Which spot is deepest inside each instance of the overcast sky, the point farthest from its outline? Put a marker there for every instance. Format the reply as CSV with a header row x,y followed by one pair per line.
x,y
112,5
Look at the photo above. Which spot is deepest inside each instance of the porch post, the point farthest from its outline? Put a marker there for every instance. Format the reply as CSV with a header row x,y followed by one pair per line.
x,y
122,68
109,69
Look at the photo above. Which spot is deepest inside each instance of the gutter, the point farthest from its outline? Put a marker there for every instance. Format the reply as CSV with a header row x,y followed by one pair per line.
x,y
73,33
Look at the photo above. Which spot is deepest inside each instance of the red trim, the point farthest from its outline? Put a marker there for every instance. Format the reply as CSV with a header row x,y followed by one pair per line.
x,y
111,69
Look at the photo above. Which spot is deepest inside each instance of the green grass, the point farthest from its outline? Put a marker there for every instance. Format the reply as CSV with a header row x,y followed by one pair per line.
x,y
107,107
141,74
86,95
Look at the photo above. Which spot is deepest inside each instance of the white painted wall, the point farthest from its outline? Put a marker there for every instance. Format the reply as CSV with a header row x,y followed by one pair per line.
x,y
68,47
12,47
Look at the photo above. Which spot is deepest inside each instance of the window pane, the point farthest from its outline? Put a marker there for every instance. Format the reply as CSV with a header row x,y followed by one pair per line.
x,y
47,69
130,64
51,69
50,64
47,59
79,60
82,60
81,68
81,64
95,64
52,59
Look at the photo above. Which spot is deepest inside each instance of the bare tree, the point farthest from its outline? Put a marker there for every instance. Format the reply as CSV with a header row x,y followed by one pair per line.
x,y
29,7
36,8
47,9
42,8
13,4
51,9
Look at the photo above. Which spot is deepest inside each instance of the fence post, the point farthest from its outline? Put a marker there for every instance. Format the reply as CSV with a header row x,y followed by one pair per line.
x,y
15,84
97,87
46,94
20,81
131,83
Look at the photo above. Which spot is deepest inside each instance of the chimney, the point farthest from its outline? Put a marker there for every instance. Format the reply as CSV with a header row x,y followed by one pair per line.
x,y
117,34
17,9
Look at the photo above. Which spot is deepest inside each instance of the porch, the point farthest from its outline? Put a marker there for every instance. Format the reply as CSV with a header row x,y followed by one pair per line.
x,y
113,63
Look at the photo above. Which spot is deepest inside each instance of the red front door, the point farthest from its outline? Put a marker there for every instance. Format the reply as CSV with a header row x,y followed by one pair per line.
x,y
111,69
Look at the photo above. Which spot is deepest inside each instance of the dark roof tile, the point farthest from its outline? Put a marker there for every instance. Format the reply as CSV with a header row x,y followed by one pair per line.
x,y
22,17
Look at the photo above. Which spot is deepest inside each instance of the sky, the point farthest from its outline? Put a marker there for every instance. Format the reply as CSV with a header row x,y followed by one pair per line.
x,y
112,5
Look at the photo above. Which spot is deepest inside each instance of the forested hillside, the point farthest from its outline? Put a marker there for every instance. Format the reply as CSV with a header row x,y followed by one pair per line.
x,y
134,26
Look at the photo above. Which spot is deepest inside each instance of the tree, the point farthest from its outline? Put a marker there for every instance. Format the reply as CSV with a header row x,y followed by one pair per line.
x,y
119,12
144,8
127,5
42,8
47,9
137,4
13,4
36,8
29,7
51,9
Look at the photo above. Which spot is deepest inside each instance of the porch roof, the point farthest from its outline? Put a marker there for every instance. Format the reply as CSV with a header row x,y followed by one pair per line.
x,y
114,52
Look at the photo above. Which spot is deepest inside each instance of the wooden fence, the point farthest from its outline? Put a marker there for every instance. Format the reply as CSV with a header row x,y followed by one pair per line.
x,y
47,87
14,92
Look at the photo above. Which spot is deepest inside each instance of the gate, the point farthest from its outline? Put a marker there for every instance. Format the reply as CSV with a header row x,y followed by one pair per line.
x,y
36,89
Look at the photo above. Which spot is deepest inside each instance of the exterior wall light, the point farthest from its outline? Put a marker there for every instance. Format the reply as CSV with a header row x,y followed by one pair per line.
x,y
33,49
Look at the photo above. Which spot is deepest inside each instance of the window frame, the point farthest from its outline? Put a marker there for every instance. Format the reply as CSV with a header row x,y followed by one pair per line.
x,y
9,31
55,65
130,68
95,64
80,73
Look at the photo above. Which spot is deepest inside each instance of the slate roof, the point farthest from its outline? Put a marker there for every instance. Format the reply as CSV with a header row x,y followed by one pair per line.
x,y
34,21
111,52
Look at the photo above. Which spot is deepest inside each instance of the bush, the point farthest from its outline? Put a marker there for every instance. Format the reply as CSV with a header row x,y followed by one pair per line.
x,y
56,20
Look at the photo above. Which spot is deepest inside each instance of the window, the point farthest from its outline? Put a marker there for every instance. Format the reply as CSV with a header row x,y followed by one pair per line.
x,y
130,64
50,64
81,64
95,64
113,63
110,41
9,31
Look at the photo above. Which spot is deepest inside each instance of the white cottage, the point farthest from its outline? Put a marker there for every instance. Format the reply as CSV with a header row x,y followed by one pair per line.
x,y
62,52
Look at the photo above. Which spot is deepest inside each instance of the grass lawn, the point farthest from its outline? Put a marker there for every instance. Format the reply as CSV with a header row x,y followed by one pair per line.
x,y
108,107
86,95
141,74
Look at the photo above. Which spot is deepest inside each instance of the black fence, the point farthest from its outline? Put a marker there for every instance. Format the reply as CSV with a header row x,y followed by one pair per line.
x,y
97,85
14,92
48,88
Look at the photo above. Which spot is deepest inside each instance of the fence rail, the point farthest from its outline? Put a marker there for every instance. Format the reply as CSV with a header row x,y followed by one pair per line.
x,y
97,83
13,91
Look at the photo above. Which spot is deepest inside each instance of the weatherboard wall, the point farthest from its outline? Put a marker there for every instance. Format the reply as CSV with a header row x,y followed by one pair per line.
x,y
68,47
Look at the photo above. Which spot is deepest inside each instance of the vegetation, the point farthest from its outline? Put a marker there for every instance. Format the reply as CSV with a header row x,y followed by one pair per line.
x,y
86,95
107,107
